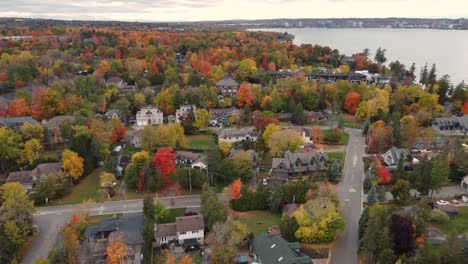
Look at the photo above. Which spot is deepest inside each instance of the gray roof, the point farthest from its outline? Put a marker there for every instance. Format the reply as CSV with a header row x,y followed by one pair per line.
x,y
114,79
252,154
274,249
117,112
164,230
221,113
130,225
15,122
241,132
186,155
298,162
46,169
23,177
56,121
227,82
4,100
189,223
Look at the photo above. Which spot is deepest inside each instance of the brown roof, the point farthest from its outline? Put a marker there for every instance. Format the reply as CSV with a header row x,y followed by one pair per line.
x,y
46,169
114,79
183,154
23,177
164,230
189,223
56,121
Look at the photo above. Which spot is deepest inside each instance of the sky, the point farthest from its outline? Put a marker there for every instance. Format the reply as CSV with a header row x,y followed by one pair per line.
x,y
201,10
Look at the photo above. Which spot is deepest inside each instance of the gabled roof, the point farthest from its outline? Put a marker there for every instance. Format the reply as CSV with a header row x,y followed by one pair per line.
x,y
13,122
130,225
184,154
274,249
165,230
46,169
56,121
23,177
190,223
114,79
227,82
112,112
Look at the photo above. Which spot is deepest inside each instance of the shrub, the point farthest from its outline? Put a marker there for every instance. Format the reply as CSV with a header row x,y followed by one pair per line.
x,y
334,136
439,216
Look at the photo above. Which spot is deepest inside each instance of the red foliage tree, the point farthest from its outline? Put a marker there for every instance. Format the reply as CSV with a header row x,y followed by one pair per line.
x,y
384,174
164,163
245,95
38,97
464,108
236,188
262,122
351,102
19,107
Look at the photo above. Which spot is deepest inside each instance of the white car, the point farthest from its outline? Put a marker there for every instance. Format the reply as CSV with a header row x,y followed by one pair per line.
x,y
442,202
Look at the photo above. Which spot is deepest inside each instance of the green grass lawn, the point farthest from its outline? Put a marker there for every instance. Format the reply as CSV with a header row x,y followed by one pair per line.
x,y
336,156
457,224
173,213
129,151
85,190
344,137
201,142
258,221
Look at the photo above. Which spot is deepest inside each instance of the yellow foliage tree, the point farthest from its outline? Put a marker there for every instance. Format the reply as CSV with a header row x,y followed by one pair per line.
x,y
116,249
269,130
72,164
281,141
225,146
32,150
139,159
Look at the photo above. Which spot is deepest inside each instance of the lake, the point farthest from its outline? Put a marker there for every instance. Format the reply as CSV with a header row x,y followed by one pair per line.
x,y
448,49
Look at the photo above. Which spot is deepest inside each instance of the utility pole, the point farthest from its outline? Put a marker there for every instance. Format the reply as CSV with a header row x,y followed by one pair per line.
x,y
190,180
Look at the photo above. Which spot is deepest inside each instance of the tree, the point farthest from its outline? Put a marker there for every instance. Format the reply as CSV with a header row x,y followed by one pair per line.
x,y
247,68
244,95
380,56
72,164
235,188
281,141
203,118
212,209
116,249
188,122
401,191
298,115
422,176
432,77
32,150
423,77
439,172
164,163
269,130
384,174
351,102
403,236
19,107
107,179
334,136
243,165
186,259
110,165
377,239
50,187
372,196
160,212
334,173
262,122
30,131
9,147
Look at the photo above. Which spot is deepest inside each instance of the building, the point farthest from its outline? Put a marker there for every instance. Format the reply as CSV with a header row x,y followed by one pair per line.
x,y
298,163
53,127
464,183
4,102
116,113
149,115
285,117
24,178
134,138
234,135
454,123
305,134
129,226
227,87
222,115
191,159
29,178
267,249
187,231
117,81
183,111
16,122
393,155
252,154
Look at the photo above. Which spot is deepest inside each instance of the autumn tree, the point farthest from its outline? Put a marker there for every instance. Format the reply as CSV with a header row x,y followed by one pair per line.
x,y
243,165
270,129
244,95
247,68
31,152
19,107
402,232
351,102
72,164
262,122
9,147
116,249
164,163
203,118
235,188
30,131
281,141
384,174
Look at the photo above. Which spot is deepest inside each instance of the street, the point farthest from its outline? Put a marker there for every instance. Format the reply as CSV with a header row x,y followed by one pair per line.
x,y
350,192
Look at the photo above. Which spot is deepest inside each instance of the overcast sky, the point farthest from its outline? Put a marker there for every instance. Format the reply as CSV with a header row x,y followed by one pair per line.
x,y
195,10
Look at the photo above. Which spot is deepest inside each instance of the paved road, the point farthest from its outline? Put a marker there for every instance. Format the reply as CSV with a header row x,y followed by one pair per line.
x,y
350,191
50,219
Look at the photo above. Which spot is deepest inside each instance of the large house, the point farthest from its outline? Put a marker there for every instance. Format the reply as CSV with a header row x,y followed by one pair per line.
x,y
227,87
453,123
129,226
183,111
234,135
191,159
187,231
268,249
116,113
53,127
117,81
297,163
149,115
16,122
134,138
393,155
29,178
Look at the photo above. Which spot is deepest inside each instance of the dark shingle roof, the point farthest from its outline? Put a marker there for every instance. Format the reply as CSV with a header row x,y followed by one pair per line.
x,y
14,122
23,177
164,230
130,225
189,223
274,249
56,121
227,82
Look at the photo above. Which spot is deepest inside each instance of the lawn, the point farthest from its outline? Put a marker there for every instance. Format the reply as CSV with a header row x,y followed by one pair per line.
x,y
173,213
85,190
258,221
457,224
201,142
336,156
129,151
344,137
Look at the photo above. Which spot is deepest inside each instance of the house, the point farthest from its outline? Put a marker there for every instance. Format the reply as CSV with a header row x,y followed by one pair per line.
x,y
252,154
268,249
222,115
285,117
187,231
233,135
191,159
393,155
16,122
454,123
227,87
129,226
448,209
464,183
183,111
117,81
29,178
4,102
149,115
134,138
296,163
305,134
53,127
312,116
116,113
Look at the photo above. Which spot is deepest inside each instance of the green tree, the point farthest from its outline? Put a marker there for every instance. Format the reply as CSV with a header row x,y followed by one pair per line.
x,y
299,117
160,213
380,56
422,176
9,147
401,191
212,209
372,196
247,68
243,165
376,240
334,172
439,172
203,118
110,165
333,136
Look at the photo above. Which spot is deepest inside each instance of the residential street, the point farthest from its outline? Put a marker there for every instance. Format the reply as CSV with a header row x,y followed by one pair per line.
x,y
350,191
50,219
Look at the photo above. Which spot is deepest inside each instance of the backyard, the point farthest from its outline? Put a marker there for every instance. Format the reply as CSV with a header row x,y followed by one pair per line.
x,y
457,224
203,141
344,137
87,189
336,156
258,221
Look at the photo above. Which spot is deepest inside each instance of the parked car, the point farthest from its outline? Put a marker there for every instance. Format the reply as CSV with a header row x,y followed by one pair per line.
x,y
454,201
442,202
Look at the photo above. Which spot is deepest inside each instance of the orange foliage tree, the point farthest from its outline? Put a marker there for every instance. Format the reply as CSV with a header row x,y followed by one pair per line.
x,y
351,102
19,107
116,249
186,260
464,108
235,188
384,174
245,95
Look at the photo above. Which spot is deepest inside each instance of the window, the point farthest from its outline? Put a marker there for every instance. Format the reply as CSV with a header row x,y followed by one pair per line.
x,y
297,163
312,162
183,233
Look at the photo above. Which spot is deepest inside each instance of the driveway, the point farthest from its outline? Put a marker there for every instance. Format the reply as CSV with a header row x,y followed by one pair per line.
x,y
350,192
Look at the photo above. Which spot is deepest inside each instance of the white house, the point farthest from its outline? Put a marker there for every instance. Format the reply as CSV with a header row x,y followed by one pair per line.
x,y
184,110
149,115
238,135
187,231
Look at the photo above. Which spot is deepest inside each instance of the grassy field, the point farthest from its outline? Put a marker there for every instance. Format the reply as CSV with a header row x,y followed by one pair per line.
x,y
457,224
258,221
85,190
336,156
173,213
201,142
344,137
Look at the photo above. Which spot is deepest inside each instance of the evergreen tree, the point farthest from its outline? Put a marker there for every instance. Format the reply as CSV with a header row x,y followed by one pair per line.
x,y
432,77
424,75
444,86
411,72
299,117
368,181
422,176
363,220
334,173
377,243
187,122
110,165
439,173
372,196
291,105
365,130
380,56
